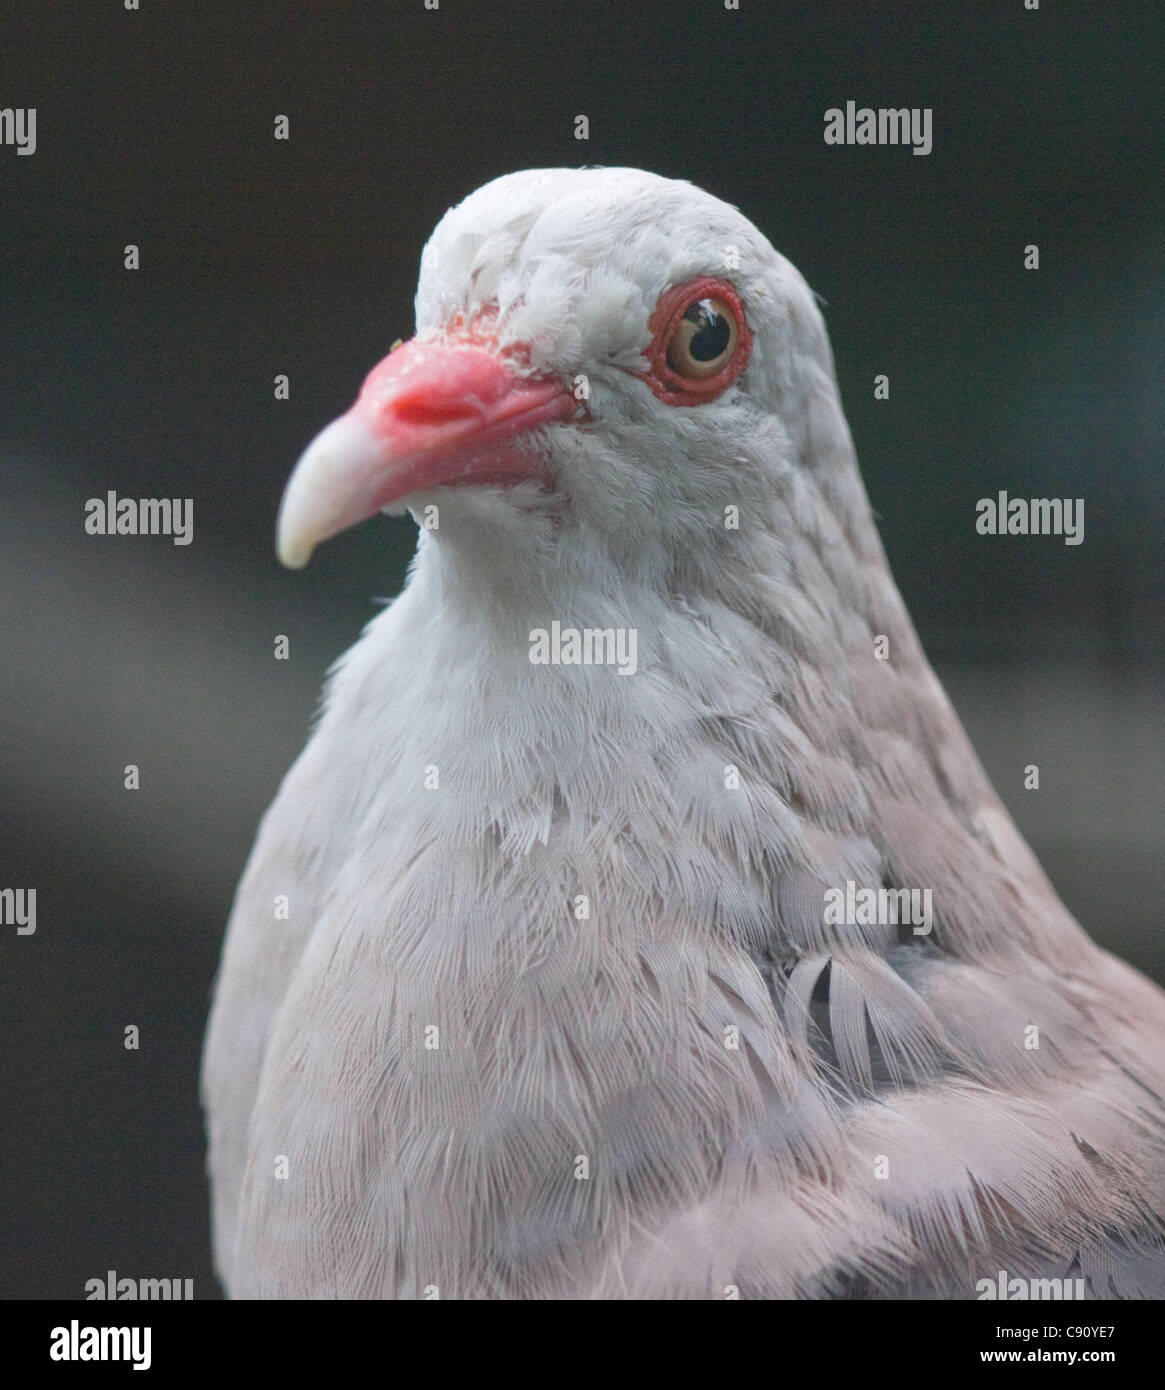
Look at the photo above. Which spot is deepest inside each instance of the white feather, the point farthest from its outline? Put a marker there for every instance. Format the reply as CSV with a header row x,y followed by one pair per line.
x,y
666,1039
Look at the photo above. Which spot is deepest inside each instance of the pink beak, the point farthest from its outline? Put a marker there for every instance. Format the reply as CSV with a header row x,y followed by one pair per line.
x,y
432,414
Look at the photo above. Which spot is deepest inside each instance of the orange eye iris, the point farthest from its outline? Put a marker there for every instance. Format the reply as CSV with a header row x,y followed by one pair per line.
x,y
700,342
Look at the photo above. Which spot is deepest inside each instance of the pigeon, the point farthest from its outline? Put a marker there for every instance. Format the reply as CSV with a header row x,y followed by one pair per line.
x,y
638,922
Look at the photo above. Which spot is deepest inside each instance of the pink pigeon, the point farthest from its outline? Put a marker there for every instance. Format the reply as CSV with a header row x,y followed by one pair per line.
x,y
638,921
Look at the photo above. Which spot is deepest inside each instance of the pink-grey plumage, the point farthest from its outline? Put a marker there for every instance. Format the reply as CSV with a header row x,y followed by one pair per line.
x,y
767,1104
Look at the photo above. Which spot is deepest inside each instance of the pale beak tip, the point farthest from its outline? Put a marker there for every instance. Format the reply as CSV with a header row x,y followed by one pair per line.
x,y
293,552
295,542
329,489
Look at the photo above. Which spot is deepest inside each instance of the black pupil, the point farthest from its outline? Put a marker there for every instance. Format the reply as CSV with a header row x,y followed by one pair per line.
x,y
712,331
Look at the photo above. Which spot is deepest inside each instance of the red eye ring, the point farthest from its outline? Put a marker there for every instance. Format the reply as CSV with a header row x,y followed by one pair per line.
x,y
665,382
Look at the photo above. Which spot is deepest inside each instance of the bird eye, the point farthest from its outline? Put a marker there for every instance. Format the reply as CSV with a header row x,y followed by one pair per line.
x,y
704,339
700,342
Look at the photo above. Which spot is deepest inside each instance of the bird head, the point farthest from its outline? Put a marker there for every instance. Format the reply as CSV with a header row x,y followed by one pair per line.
x,y
621,353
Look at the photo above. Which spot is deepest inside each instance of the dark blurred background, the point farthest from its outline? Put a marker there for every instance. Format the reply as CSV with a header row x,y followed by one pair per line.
x,y
261,257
